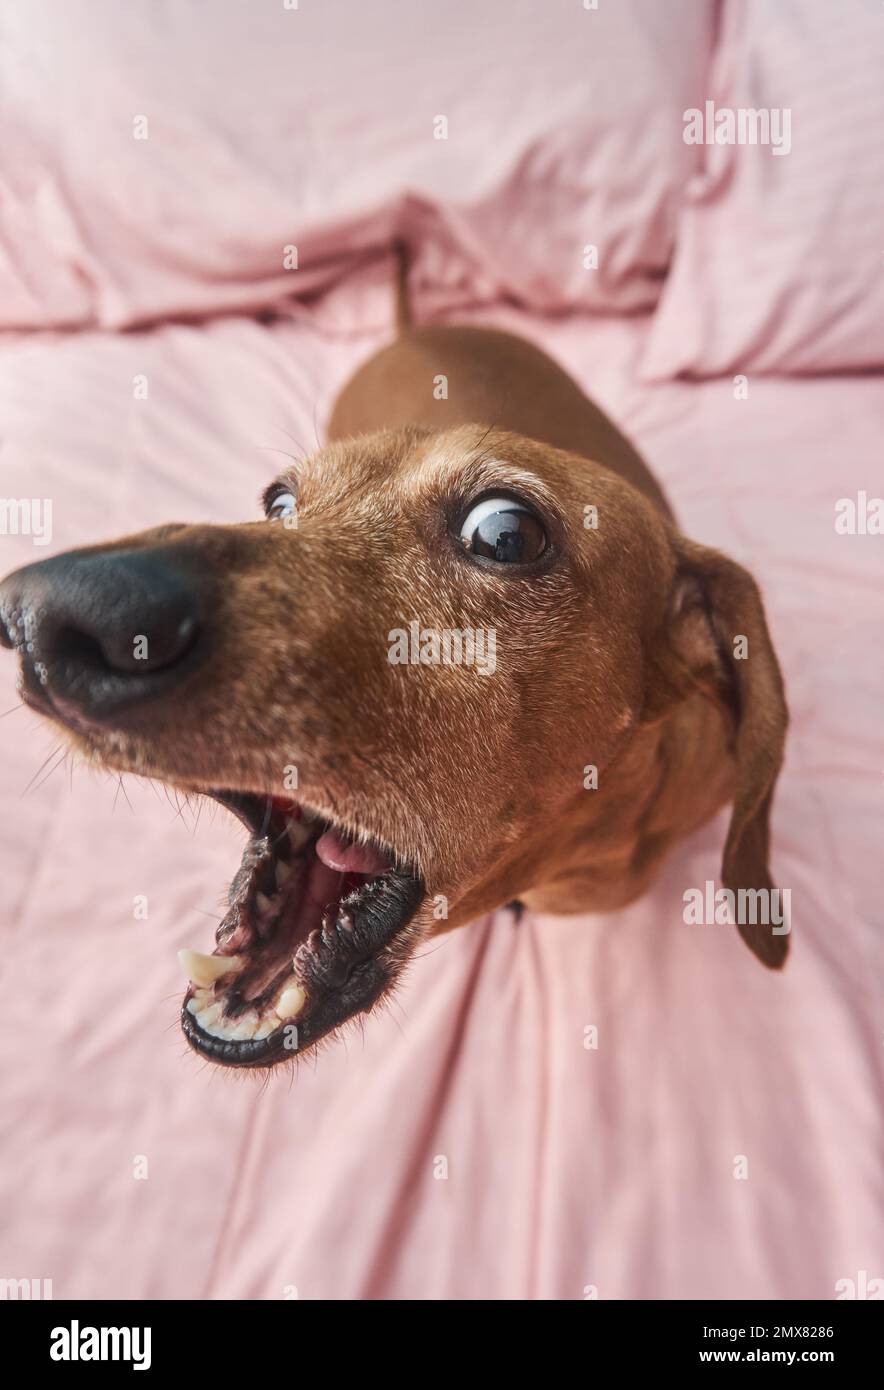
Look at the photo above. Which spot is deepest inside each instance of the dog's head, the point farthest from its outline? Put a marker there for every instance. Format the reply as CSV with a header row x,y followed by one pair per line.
x,y
397,680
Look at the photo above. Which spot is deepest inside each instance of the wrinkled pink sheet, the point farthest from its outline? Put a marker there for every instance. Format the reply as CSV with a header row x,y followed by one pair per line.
x,y
568,1168
204,150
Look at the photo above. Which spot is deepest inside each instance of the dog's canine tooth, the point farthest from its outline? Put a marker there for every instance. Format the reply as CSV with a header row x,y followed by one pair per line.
x,y
290,1002
299,833
208,1016
205,970
283,873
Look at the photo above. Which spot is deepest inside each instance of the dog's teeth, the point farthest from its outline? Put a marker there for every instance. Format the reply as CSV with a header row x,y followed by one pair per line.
x,y
205,970
208,1016
283,873
299,833
209,1021
245,1028
290,1002
264,904
266,1028
220,1030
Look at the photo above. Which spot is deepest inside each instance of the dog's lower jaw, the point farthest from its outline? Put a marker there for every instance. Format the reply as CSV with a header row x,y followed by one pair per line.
x,y
346,973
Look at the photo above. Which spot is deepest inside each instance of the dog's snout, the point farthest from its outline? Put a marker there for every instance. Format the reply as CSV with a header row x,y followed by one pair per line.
x,y
100,630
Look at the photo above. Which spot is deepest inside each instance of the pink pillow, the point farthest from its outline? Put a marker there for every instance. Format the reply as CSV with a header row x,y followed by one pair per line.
x,y
779,264
158,159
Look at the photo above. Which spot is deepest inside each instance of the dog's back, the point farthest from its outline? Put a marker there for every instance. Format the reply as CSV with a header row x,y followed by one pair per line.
x,y
442,376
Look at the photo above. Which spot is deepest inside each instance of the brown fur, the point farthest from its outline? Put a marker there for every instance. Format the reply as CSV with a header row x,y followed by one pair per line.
x,y
618,652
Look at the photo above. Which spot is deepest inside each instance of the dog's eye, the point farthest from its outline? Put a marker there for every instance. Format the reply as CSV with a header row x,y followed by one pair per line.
x,y
284,504
502,529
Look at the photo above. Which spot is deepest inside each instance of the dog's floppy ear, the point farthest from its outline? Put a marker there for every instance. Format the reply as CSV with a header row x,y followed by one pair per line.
x,y
718,638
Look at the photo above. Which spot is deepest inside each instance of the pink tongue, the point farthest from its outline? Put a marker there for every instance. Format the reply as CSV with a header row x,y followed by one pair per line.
x,y
348,858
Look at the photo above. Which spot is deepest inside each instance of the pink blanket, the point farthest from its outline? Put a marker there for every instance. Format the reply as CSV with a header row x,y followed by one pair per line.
x,y
718,1134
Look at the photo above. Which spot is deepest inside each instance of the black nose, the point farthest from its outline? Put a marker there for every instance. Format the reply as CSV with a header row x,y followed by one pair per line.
x,y
98,631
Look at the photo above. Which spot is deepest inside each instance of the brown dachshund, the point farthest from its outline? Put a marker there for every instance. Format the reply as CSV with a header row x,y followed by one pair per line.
x,y
467,658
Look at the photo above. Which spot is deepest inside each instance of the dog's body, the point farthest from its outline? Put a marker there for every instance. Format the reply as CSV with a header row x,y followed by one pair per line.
x,y
635,690
489,378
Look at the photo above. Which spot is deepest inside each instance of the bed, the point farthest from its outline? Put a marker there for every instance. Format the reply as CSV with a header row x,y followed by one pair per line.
x,y
612,1107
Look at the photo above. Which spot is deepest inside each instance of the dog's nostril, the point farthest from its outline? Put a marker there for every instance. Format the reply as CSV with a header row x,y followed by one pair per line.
x,y
140,648
74,648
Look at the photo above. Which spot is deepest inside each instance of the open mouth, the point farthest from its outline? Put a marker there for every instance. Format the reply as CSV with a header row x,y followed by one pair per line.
x,y
316,930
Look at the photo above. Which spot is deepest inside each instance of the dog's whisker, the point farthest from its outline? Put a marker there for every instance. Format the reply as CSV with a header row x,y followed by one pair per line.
x,y
270,449
55,749
121,788
430,951
297,443
54,768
